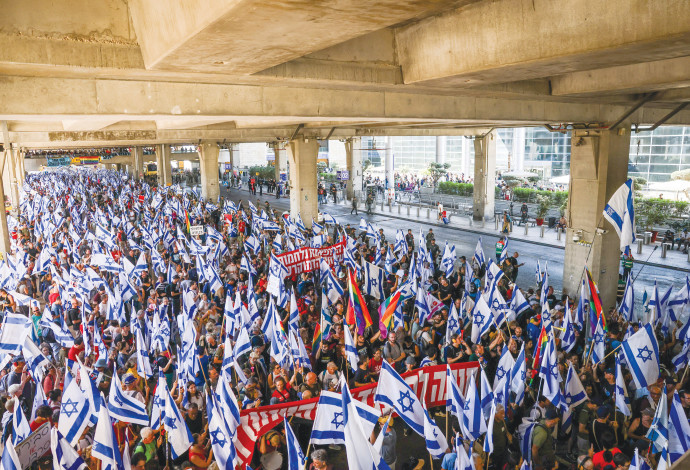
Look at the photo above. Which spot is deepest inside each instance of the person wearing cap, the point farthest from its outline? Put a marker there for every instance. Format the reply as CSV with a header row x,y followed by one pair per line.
x,y
600,426
543,445
585,416
104,375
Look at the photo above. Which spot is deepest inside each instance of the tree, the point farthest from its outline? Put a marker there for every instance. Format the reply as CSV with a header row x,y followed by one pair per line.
x,y
436,171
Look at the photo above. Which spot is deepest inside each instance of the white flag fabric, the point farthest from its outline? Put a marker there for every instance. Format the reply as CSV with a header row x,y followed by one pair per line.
x,y
10,459
505,365
105,446
125,407
393,391
658,431
64,455
350,349
678,430
374,279
21,428
620,212
622,400
472,415
642,356
549,372
329,426
360,452
575,393
74,413
15,328
435,440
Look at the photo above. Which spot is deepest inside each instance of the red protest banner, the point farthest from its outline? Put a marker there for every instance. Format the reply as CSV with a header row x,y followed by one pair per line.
x,y
308,259
256,422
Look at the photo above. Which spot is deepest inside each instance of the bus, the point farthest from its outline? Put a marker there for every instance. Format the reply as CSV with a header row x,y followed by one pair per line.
x,y
151,169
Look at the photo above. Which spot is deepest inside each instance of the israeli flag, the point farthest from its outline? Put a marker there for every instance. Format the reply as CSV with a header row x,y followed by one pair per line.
x,y
221,434
519,374
105,447
641,352
435,440
143,362
473,421
64,455
15,329
393,391
448,260
20,425
350,350
482,319
245,265
329,219
453,326
505,366
243,345
622,400
504,252
489,439
374,279
390,261
315,227
124,407
628,302
74,413
479,253
574,391
678,430
179,437
455,403
296,458
549,372
158,407
598,343
10,459
620,212
329,425
658,431
567,335
519,304
333,289
487,393
91,392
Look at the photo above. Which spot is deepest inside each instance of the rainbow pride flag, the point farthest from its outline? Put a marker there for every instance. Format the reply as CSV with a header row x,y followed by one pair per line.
x,y
387,313
186,219
539,350
594,300
316,342
357,312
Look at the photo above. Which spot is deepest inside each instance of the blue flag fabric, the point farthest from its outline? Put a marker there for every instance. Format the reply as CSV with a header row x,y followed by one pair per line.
x,y
641,352
392,390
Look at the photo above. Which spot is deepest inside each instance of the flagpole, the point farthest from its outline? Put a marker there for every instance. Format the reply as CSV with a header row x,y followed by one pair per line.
x,y
684,373
645,262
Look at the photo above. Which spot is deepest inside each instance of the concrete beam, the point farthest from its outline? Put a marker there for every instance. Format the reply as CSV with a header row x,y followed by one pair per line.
x,y
61,139
508,40
634,78
58,99
247,36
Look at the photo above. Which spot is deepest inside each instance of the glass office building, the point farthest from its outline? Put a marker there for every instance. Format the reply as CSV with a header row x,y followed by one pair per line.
x,y
655,155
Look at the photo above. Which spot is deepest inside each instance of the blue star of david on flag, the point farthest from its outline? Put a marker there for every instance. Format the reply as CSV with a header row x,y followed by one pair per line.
x,y
500,372
218,437
72,407
338,419
644,353
410,401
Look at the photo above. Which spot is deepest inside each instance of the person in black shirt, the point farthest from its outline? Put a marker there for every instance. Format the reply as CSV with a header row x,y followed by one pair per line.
x,y
409,238
362,376
173,292
193,419
73,318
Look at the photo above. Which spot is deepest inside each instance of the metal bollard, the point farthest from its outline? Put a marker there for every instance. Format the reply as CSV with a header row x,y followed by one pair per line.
x,y
428,213
418,211
408,210
542,232
558,234
664,248
640,241
381,206
526,229
399,209
496,220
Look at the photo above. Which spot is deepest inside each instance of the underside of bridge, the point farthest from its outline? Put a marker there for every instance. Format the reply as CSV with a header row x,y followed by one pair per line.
x,y
77,73
117,72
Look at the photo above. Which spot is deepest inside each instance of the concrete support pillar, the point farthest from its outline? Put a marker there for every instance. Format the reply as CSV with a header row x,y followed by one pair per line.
x,y
302,154
518,153
234,150
484,176
598,167
163,162
390,165
441,149
138,162
4,230
353,158
208,164
465,163
280,161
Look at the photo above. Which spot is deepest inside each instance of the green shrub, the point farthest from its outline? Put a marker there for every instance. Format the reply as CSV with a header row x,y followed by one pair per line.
x,y
456,189
265,172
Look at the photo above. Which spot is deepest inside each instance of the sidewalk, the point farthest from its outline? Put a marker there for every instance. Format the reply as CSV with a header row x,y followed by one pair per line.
x,y
651,254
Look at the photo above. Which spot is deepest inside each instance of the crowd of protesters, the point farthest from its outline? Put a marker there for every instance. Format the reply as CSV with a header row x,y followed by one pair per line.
x,y
600,437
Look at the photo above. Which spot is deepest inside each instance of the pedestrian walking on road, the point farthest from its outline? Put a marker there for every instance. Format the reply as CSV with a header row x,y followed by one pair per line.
x,y
354,205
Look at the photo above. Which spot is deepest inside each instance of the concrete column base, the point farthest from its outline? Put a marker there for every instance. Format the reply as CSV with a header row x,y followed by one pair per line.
x,y
302,155
353,157
598,167
484,176
208,164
